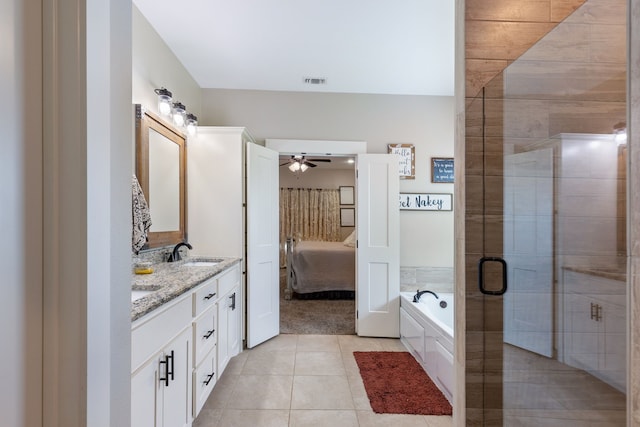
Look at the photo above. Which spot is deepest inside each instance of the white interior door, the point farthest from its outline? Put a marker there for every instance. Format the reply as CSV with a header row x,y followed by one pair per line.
x,y
263,299
528,250
378,249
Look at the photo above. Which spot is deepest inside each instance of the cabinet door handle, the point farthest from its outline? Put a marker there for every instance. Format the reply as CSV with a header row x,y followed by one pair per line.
x,y
170,370
208,334
211,295
209,378
166,371
596,312
233,301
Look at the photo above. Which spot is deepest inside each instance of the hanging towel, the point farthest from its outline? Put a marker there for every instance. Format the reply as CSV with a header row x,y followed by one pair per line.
x,y
141,216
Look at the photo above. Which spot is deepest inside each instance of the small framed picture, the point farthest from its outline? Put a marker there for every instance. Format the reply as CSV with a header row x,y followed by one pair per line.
x,y
346,195
407,162
347,217
442,169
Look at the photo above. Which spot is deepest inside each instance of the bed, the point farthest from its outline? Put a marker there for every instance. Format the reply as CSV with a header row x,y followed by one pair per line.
x,y
319,267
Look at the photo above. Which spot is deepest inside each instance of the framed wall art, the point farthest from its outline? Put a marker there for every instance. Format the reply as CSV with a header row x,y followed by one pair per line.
x,y
426,201
346,195
442,169
347,217
407,162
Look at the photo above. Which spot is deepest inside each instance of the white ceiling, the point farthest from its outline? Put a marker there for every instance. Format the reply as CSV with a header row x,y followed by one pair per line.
x,y
359,46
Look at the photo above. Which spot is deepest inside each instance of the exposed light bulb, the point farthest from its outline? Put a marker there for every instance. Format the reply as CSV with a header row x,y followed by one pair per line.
x,y
164,101
179,112
192,124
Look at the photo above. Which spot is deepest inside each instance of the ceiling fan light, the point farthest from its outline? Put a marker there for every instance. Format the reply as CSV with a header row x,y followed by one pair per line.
x,y
303,167
294,167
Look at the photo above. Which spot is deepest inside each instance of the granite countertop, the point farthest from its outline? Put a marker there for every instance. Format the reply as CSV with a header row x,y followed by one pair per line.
x,y
607,273
172,279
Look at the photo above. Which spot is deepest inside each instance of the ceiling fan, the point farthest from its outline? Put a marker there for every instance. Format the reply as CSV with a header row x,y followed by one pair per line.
x,y
301,163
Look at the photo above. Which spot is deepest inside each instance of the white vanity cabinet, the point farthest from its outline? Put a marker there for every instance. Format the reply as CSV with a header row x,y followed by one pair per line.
x,y
595,333
229,318
161,349
176,351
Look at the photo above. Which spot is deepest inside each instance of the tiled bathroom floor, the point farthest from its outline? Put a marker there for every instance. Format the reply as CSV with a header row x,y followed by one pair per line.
x,y
302,381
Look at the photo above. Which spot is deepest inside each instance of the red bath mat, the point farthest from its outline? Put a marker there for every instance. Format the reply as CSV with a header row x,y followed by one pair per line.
x,y
397,384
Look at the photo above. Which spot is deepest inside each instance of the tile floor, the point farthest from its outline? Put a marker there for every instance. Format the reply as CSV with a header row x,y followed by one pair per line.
x,y
302,380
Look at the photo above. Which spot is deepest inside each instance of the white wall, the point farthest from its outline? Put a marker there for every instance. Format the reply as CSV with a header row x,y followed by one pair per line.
x,y
427,122
155,66
21,213
108,213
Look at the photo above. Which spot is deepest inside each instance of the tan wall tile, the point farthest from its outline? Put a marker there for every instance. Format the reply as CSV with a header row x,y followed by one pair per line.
x,y
560,9
508,10
502,40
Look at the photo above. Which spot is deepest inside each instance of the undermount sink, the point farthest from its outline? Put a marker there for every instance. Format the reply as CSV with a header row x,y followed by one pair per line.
x,y
135,294
202,263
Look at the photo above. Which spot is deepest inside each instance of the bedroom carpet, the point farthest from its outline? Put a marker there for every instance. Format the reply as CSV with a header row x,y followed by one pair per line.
x,y
321,317
396,384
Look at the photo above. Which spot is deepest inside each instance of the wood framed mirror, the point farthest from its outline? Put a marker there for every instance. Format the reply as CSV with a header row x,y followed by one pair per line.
x,y
161,160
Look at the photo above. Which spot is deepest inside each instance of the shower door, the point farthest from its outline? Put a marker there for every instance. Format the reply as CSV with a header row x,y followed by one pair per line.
x,y
545,231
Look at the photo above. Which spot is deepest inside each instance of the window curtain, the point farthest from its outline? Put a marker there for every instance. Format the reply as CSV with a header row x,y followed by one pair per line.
x,y
308,214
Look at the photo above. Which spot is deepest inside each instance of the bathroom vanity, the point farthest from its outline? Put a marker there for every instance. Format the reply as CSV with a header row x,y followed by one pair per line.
x,y
595,323
186,326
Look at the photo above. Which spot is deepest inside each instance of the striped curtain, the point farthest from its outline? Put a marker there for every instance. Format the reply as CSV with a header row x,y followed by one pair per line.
x,y
308,214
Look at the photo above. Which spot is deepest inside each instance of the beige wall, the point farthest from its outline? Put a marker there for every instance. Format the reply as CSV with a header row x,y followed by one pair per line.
x,y
155,66
426,122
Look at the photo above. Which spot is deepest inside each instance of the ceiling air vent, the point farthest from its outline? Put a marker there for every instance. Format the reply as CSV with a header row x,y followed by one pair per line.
x,y
314,80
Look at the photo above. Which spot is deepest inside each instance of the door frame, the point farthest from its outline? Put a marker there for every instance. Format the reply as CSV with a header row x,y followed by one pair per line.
x,y
317,148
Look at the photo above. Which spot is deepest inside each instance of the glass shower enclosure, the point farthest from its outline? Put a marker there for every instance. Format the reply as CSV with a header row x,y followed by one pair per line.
x,y
546,285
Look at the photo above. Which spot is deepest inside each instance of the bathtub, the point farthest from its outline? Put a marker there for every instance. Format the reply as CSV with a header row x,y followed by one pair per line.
x,y
426,330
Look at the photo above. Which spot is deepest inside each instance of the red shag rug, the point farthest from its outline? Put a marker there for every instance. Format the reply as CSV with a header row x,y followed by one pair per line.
x,y
397,384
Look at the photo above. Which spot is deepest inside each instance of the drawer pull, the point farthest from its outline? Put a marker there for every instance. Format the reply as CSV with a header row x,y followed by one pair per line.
x,y
168,369
208,334
209,378
208,297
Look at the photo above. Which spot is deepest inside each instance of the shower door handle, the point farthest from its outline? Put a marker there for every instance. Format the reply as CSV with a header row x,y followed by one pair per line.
x,y
503,264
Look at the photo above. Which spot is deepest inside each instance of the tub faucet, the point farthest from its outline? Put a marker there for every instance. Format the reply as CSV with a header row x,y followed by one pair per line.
x,y
419,293
175,254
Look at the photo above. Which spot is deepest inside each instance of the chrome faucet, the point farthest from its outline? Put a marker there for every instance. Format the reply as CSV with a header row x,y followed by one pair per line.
x,y
175,254
419,293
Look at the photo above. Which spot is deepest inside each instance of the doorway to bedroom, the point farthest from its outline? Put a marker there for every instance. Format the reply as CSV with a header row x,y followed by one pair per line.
x,y
317,245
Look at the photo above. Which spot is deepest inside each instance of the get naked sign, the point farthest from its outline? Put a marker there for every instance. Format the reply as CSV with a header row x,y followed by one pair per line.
x,y
426,201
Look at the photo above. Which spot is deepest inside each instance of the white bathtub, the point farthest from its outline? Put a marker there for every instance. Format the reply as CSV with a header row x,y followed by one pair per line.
x,y
426,329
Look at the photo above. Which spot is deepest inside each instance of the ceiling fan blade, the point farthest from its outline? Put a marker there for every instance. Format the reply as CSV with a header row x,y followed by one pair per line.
x,y
285,163
312,165
319,160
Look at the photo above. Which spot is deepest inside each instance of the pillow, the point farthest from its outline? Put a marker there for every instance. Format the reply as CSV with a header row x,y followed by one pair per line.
x,y
351,240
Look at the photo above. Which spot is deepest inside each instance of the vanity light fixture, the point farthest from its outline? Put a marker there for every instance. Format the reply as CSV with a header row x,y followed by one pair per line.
x,y
192,124
179,112
164,101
